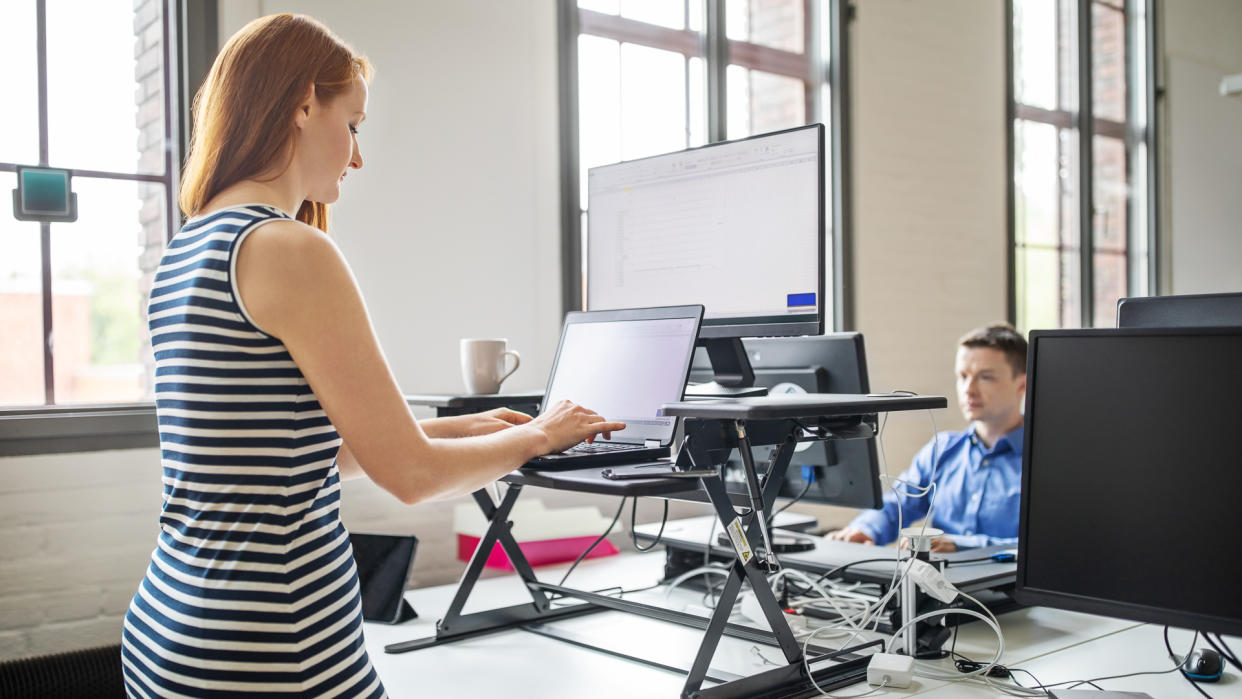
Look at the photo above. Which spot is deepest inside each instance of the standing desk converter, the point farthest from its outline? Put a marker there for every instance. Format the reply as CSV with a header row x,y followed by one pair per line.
x,y
713,428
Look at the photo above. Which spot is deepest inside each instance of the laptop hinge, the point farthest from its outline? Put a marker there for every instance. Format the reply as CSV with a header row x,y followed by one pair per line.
x,y
651,443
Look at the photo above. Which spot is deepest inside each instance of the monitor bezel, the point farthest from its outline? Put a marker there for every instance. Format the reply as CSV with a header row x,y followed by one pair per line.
x,y
737,327
1180,311
1029,595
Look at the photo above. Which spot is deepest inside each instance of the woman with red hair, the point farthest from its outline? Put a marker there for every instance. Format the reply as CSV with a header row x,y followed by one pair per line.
x,y
271,388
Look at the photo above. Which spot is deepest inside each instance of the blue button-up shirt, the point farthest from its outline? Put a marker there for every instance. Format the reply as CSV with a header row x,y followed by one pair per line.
x,y
977,492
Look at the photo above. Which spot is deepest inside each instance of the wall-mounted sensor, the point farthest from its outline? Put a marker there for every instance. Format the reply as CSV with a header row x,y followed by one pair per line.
x,y
44,194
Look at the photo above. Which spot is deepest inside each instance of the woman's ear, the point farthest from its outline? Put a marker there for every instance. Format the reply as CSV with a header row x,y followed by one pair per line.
x,y
304,108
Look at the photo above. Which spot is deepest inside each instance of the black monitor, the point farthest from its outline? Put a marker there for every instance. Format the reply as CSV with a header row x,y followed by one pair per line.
x,y
1185,311
1130,475
847,472
737,226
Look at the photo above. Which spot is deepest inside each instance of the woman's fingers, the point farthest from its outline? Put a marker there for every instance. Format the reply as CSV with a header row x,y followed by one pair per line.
x,y
514,417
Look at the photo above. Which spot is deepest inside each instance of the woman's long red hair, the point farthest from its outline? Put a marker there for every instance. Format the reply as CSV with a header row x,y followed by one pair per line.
x,y
243,114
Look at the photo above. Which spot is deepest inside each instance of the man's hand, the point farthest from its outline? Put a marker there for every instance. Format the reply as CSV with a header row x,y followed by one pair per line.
x,y
854,535
938,545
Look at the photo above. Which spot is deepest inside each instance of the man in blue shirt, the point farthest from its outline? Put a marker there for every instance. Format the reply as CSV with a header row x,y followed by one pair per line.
x,y
978,471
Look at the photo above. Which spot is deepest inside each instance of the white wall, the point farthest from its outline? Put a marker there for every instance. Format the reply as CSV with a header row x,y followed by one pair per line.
x,y
1202,147
452,226
76,532
929,193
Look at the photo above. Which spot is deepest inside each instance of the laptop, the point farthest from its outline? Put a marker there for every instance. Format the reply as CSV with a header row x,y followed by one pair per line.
x,y
624,365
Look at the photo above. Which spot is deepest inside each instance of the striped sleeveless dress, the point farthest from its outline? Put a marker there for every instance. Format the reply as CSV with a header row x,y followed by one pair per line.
x,y
252,587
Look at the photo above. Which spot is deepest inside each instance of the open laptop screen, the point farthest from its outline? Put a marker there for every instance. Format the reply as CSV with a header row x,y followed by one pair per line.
x,y
625,369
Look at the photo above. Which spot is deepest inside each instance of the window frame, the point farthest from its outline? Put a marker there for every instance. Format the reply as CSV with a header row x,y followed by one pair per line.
x,y
717,51
1087,126
190,41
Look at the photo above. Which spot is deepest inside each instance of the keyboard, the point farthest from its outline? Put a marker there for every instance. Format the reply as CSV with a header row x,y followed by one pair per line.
x,y
600,448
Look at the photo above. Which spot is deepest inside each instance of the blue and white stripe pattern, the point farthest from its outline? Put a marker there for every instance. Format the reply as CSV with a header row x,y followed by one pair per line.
x,y
252,587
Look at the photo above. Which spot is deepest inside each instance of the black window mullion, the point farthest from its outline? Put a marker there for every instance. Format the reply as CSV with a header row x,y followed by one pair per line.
x,y
1086,176
1011,192
45,229
716,52
170,164
571,205
1151,137
840,14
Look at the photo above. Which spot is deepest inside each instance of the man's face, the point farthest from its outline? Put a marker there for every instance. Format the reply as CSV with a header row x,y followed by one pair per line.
x,y
987,389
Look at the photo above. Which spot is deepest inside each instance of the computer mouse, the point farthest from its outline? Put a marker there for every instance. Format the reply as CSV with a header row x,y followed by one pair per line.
x,y
1203,665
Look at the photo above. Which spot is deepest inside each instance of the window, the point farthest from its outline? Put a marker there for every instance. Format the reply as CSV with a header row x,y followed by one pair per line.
x,y
641,77
1081,161
73,295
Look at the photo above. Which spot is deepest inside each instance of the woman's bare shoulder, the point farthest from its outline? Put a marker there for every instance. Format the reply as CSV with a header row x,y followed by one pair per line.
x,y
286,244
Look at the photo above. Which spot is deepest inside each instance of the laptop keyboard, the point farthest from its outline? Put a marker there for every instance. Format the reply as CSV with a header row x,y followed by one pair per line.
x,y
600,448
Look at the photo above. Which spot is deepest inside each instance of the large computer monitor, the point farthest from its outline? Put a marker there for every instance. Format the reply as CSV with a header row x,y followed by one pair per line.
x,y
1130,475
844,472
737,226
1185,311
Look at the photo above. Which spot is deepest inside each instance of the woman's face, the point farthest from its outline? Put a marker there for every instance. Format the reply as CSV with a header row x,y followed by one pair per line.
x,y
328,141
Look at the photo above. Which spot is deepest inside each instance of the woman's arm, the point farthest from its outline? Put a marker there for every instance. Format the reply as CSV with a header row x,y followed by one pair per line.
x,y
296,286
473,424
442,427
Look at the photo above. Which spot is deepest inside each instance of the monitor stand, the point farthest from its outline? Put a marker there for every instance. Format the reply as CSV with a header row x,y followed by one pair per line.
x,y
734,376
712,389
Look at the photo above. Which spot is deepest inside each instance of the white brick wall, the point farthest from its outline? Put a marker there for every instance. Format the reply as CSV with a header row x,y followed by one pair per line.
x,y
76,531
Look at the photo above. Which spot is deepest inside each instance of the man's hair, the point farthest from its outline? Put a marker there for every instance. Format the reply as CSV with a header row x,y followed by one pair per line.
x,y
1003,337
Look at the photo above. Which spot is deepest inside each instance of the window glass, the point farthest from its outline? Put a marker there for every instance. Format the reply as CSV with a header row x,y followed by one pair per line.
x,y
610,7
21,308
1035,53
1109,227
1108,57
19,118
1038,272
599,105
99,291
737,114
778,24
118,91
653,101
761,102
1037,180
776,102
663,13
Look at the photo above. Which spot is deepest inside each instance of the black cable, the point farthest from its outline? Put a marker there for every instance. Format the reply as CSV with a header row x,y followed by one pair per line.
x,y
659,535
1028,673
840,568
595,543
960,561
805,489
1223,649
1093,680
1232,656
623,593
1181,663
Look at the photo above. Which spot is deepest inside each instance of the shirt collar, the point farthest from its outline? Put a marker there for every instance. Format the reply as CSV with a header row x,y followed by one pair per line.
x,y
1013,439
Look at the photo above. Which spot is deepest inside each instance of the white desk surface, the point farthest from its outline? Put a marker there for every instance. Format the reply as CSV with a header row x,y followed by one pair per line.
x,y
1055,645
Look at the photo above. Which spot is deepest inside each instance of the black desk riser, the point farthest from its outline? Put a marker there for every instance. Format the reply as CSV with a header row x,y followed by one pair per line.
x,y
713,429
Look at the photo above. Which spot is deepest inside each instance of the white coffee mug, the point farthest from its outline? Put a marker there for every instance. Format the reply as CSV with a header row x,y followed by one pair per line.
x,y
483,364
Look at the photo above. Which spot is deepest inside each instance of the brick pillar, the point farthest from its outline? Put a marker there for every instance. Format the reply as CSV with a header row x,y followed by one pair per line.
x,y
153,142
